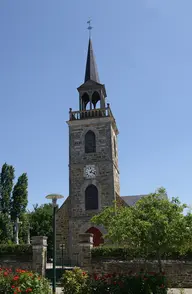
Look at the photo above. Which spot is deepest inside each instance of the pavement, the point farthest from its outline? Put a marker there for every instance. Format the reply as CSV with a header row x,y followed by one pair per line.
x,y
179,291
171,291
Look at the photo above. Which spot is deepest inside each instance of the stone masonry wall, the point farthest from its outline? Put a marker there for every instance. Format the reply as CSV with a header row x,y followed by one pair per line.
x,y
179,273
107,178
35,262
62,230
14,264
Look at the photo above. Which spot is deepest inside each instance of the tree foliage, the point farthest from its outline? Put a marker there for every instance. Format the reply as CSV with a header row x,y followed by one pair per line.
x,y
41,222
19,199
154,225
13,203
24,229
6,228
6,186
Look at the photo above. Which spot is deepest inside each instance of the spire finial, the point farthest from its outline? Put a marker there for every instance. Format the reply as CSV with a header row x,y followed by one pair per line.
x,y
89,27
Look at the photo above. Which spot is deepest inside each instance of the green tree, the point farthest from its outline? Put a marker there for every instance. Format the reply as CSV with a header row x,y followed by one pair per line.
x,y
6,186
24,228
154,225
6,228
40,220
19,197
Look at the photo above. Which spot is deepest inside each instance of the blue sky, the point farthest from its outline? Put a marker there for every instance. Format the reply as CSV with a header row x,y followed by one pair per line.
x,y
143,50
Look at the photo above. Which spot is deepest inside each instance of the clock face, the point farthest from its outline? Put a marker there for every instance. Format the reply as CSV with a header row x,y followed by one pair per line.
x,y
90,171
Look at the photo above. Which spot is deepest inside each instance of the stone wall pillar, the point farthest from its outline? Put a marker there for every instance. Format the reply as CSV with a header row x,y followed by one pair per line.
x,y
86,244
39,247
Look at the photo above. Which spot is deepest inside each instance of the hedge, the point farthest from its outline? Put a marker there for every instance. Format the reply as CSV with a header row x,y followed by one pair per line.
x,y
13,249
125,253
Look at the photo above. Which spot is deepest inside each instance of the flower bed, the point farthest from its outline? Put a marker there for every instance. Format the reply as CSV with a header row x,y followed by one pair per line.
x,y
22,281
79,282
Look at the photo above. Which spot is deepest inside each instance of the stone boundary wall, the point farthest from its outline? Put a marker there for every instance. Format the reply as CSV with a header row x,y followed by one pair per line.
x,y
179,273
15,264
35,262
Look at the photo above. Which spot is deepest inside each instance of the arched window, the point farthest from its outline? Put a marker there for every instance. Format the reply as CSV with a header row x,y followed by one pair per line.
x,y
91,198
90,142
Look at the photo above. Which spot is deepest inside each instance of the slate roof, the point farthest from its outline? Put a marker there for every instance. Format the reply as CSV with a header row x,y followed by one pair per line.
x,y
91,72
131,200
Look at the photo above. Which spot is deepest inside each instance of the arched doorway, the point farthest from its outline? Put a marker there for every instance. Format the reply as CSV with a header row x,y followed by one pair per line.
x,y
97,236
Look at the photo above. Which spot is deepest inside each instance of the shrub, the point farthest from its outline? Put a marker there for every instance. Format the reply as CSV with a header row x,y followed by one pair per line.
x,y
122,253
143,283
13,249
126,253
75,281
22,281
79,282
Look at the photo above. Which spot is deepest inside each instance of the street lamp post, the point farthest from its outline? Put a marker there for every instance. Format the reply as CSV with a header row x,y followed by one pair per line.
x,y
54,198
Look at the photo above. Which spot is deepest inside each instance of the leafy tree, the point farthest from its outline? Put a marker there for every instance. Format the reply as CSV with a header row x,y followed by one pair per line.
x,y
13,203
40,220
6,228
19,197
24,228
154,225
6,186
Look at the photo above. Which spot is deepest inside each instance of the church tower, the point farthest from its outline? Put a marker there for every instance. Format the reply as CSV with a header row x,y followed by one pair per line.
x,y
93,156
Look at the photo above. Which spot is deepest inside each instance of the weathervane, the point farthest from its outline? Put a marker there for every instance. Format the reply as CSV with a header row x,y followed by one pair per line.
x,y
89,27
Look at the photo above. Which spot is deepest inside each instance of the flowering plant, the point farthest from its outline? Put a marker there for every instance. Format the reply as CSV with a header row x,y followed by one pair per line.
x,y
21,281
143,283
75,281
79,282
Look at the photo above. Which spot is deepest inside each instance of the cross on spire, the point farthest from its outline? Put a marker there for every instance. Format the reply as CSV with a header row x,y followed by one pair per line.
x,y
89,27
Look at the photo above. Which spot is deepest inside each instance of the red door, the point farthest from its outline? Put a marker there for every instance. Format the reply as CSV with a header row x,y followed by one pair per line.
x,y
97,236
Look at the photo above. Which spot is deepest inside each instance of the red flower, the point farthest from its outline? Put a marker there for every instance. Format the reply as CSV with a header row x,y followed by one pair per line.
x,y
120,284
6,274
15,278
145,278
152,273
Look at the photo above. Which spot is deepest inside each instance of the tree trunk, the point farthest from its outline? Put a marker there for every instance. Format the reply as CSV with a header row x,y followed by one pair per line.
x,y
159,261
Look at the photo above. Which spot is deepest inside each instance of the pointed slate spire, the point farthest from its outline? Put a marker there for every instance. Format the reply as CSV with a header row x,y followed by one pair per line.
x,y
91,72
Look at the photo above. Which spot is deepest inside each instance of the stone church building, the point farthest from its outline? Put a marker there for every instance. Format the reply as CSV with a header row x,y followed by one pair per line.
x,y
93,164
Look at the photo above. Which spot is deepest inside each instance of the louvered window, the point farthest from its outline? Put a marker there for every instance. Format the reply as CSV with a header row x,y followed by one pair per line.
x,y
90,142
91,198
